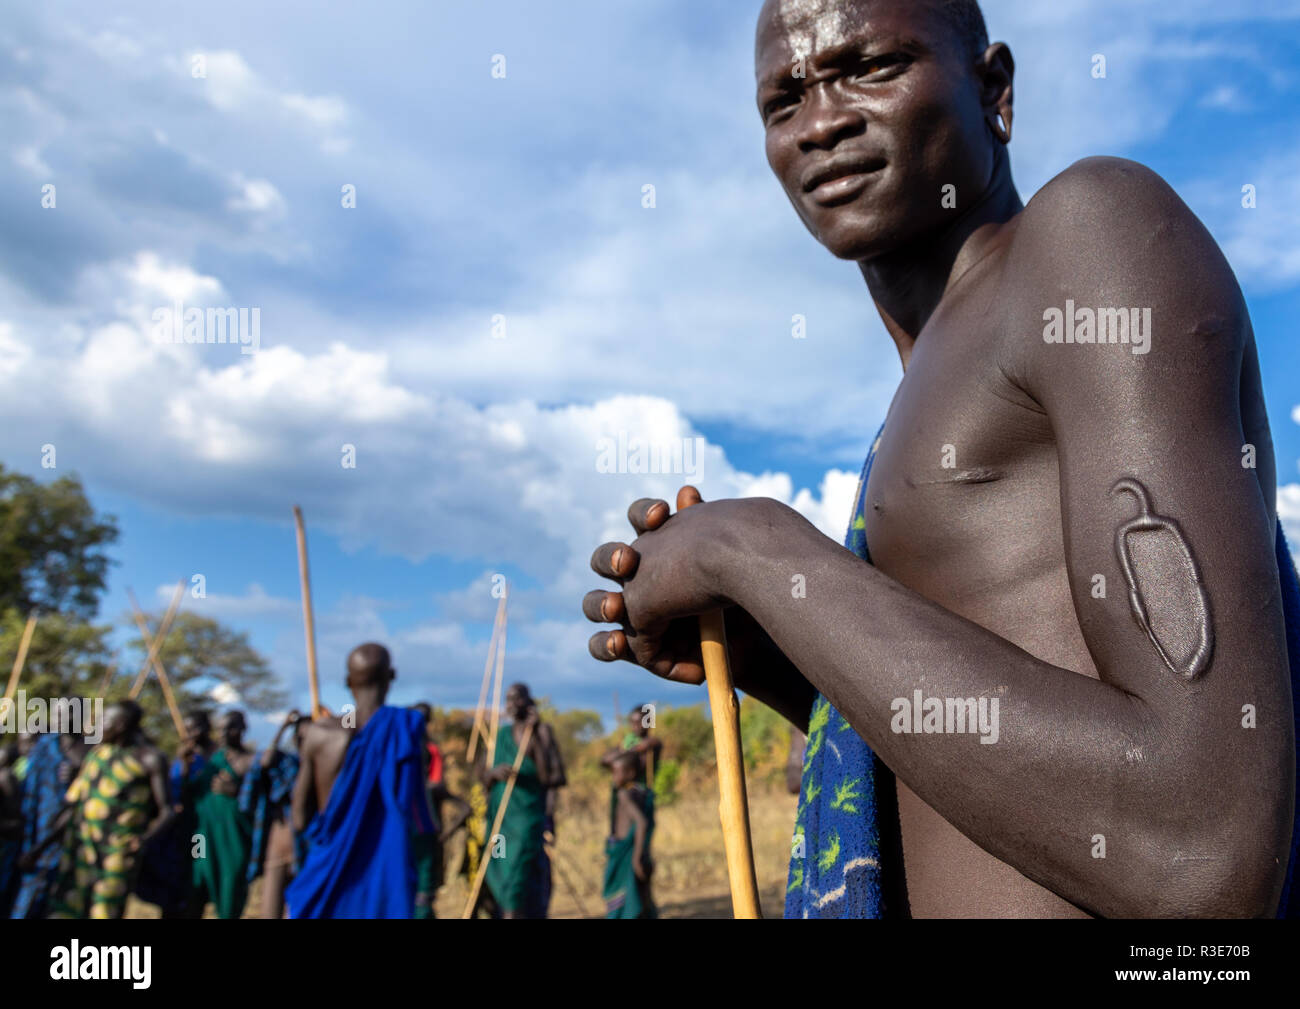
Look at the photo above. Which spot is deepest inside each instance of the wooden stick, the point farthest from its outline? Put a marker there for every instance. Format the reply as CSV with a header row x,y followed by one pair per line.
x,y
20,659
733,806
163,680
308,622
487,678
496,691
486,854
164,629
107,678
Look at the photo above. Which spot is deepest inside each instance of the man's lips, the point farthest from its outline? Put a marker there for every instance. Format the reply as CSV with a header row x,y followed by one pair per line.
x,y
841,177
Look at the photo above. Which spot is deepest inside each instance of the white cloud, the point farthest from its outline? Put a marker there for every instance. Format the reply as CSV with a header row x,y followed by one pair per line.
x,y
254,603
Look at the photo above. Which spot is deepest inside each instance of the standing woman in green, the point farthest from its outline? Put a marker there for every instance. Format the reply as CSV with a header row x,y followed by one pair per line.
x,y
221,866
515,854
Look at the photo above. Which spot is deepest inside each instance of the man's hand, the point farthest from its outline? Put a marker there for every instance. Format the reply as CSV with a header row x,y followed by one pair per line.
x,y
668,580
501,772
664,587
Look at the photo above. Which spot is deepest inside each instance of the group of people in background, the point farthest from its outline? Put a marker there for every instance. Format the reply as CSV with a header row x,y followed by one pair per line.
x,y
341,817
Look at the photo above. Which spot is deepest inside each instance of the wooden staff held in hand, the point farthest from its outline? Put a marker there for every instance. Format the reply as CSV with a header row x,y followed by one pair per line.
x,y
662,646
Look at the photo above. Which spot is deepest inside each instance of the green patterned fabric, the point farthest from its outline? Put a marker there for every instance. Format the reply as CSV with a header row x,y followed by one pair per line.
x,y
115,803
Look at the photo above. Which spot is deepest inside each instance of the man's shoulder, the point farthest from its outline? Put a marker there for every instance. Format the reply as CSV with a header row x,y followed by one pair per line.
x,y
1099,192
322,733
1109,234
151,757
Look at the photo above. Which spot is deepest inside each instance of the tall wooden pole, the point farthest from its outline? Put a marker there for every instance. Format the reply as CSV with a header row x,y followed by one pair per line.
x,y
164,629
733,804
20,659
479,712
308,622
496,693
496,823
163,680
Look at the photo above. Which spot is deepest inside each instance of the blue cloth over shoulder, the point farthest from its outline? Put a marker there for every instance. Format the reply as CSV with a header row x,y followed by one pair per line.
x,y
360,863
266,796
849,864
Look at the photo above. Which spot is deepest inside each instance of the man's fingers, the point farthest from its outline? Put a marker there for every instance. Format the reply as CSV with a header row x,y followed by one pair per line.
x,y
603,607
685,672
648,513
614,560
608,646
688,496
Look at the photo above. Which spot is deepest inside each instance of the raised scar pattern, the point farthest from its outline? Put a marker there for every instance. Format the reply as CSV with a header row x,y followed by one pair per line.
x,y
1149,521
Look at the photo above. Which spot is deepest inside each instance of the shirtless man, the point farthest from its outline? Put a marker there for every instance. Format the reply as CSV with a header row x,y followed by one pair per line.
x,y
357,865
1005,563
637,739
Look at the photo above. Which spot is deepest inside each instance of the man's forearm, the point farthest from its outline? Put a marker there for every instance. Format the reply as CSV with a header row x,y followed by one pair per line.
x,y
761,670
1062,770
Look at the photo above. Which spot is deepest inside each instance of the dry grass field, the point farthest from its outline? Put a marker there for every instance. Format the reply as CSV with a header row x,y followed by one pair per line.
x,y
690,872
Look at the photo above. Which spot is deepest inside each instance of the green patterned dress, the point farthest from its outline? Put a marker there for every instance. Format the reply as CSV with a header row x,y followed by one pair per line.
x,y
99,856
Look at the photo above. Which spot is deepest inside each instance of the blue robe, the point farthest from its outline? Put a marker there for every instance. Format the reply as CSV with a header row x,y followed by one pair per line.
x,y
360,861
42,800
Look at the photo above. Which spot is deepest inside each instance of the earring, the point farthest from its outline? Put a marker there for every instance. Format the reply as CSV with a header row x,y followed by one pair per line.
x,y
1000,128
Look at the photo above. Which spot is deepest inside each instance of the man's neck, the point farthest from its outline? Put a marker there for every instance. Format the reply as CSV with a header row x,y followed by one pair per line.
x,y
369,700
908,285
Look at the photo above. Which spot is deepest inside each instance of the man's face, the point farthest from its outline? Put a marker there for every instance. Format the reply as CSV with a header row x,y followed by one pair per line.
x,y
116,722
516,702
232,729
887,114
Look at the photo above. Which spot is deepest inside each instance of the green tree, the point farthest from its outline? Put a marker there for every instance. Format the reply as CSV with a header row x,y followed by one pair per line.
x,y
68,657
200,653
52,546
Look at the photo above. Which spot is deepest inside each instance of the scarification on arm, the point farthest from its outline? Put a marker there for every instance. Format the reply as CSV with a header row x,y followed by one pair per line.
x,y
1166,591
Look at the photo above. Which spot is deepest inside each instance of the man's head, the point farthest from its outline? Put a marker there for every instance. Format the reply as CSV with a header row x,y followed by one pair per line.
x,y
625,768
232,727
519,701
121,721
370,669
872,107
198,725
636,720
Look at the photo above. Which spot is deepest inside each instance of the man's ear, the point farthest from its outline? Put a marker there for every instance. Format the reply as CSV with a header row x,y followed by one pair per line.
x,y
997,70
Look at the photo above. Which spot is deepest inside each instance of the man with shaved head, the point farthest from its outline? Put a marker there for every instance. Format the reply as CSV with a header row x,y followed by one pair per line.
x,y
1048,674
362,776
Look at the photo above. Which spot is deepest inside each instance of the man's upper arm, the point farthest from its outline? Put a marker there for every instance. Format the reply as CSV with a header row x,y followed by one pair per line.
x,y
1168,537
304,785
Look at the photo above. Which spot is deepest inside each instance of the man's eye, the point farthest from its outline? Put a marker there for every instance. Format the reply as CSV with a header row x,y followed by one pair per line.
x,y
877,65
778,107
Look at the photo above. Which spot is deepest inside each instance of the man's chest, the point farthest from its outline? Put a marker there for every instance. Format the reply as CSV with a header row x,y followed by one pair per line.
x,y
964,491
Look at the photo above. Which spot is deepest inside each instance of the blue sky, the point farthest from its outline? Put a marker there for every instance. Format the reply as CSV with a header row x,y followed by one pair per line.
x,y
518,197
